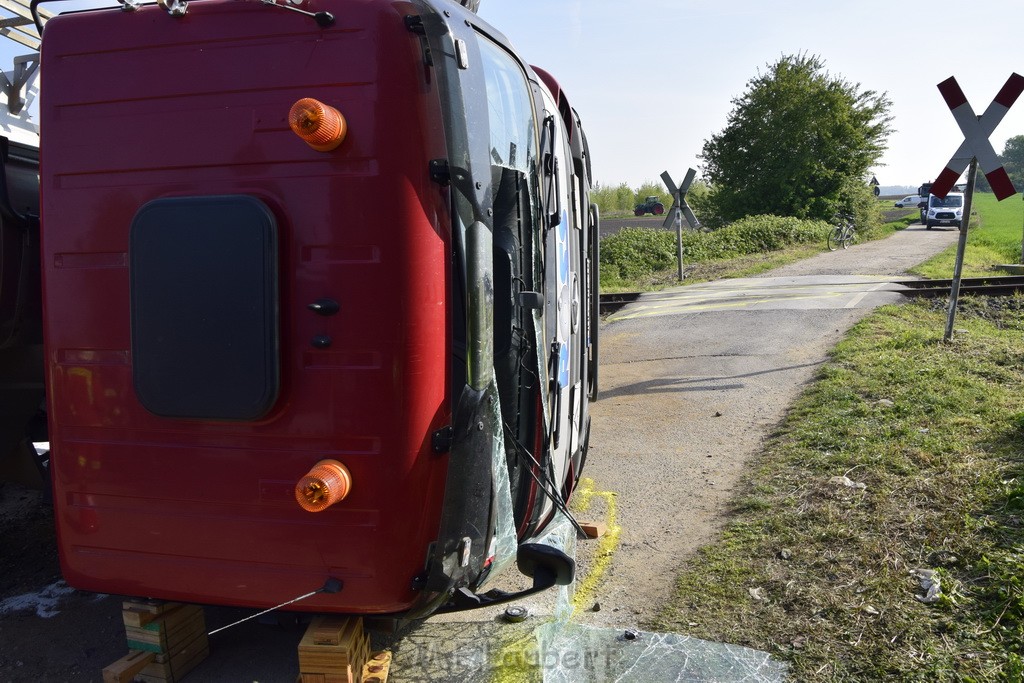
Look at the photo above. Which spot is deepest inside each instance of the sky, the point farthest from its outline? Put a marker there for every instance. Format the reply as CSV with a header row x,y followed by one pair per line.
x,y
653,79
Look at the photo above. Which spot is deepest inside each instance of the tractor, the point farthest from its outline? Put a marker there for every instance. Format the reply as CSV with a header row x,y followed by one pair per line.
x,y
649,205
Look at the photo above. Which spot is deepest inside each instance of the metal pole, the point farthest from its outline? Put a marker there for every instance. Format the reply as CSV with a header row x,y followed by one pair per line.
x,y
1022,241
954,293
679,234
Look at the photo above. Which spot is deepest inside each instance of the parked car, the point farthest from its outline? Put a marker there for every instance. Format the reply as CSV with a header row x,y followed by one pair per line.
x,y
910,201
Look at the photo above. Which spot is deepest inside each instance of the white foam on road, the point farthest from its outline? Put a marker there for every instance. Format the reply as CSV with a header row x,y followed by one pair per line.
x,y
44,602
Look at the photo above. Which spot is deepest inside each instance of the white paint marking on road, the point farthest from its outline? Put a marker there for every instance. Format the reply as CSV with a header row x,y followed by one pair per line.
x,y
860,297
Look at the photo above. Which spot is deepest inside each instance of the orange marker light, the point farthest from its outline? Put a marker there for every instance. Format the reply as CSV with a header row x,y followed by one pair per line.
x,y
327,483
320,125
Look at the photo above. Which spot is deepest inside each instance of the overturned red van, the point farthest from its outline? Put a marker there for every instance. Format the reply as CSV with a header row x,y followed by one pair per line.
x,y
319,285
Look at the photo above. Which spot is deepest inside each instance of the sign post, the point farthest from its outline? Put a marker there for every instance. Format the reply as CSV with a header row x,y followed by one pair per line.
x,y
961,247
975,151
679,210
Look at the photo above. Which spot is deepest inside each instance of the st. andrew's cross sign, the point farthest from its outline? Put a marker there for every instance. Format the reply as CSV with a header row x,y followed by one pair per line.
x,y
975,151
976,132
679,200
679,210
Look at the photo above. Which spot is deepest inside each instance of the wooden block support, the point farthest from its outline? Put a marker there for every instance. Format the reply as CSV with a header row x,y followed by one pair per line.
x,y
594,529
125,669
377,667
169,631
141,612
333,650
169,638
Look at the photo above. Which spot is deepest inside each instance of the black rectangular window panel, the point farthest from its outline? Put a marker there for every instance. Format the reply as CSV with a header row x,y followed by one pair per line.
x,y
204,307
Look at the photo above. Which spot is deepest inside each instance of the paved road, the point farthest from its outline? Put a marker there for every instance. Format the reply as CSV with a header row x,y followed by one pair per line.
x,y
692,380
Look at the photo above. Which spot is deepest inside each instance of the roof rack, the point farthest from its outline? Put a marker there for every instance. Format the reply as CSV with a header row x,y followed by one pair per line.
x,y
16,23
18,86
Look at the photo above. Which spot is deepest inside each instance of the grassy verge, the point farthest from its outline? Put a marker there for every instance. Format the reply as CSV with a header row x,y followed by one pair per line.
x,y
901,469
821,573
995,241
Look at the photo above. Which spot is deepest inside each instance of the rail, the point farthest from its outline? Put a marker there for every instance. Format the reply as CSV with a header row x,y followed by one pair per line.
x,y
997,285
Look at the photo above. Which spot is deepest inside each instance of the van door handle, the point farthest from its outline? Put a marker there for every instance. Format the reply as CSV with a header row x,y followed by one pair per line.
x,y
324,307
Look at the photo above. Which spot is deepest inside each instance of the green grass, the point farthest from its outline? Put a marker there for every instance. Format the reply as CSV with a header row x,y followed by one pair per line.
x,y
995,239
935,433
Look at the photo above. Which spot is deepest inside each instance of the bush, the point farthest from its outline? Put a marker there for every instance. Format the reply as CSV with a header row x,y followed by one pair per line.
x,y
756,234
859,200
635,252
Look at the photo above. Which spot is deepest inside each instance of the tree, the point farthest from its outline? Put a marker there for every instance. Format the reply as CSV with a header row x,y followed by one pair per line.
x,y
795,143
1013,161
612,199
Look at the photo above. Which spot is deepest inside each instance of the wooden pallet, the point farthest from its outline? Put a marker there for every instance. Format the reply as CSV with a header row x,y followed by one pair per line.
x,y
166,640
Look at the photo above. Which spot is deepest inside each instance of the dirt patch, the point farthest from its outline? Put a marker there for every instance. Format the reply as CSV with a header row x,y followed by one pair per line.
x,y
49,631
27,557
892,215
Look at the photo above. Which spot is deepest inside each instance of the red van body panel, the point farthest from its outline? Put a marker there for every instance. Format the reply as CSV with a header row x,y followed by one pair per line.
x,y
140,106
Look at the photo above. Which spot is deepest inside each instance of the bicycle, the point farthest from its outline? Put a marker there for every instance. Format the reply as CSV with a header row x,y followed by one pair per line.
x,y
843,235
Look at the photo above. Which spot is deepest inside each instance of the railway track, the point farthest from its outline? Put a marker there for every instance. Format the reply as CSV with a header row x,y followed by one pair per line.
x,y
1002,285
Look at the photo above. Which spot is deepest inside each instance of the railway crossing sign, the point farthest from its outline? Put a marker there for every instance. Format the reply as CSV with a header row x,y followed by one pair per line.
x,y
976,130
975,151
679,210
679,204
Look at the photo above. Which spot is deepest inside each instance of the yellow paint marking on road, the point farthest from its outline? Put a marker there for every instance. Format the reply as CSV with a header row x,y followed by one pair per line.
x,y
606,548
519,659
